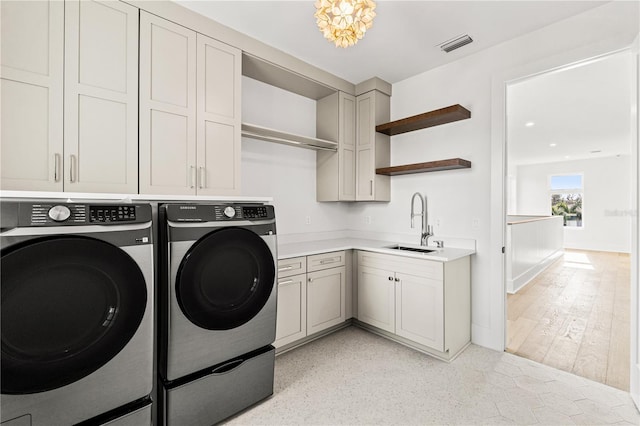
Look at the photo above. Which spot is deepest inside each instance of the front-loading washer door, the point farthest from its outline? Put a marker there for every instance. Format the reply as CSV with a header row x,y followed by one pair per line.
x,y
225,279
69,305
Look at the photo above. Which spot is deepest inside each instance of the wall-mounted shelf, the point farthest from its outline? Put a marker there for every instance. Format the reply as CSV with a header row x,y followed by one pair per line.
x,y
271,135
422,121
431,166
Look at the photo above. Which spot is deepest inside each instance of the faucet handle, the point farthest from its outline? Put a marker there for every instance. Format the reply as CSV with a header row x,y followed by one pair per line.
x,y
439,243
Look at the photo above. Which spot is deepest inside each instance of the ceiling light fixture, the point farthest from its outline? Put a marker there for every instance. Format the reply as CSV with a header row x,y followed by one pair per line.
x,y
529,124
552,145
344,22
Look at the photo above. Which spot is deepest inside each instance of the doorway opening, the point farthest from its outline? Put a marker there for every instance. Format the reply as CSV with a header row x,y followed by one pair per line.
x,y
569,218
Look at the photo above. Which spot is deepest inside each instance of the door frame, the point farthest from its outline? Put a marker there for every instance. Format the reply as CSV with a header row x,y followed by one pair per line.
x,y
500,81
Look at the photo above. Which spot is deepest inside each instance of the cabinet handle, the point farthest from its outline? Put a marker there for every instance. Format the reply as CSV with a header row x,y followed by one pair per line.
x,y
390,278
192,176
310,279
397,279
285,282
371,187
72,168
285,268
325,261
56,167
202,182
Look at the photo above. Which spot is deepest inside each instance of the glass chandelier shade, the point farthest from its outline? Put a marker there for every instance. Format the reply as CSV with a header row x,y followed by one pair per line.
x,y
344,22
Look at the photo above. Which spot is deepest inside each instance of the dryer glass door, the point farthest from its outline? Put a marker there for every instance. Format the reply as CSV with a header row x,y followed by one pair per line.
x,y
225,279
69,305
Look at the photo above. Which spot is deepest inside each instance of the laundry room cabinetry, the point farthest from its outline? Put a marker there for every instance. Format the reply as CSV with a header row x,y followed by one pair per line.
x,y
291,323
73,62
372,148
424,303
326,291
312,295
189,111
336,171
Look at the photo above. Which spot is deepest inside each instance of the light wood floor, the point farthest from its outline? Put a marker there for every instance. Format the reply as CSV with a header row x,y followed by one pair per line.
x,y
575,317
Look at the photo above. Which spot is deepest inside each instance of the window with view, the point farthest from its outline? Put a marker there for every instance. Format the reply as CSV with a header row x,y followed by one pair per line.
x,y
566,198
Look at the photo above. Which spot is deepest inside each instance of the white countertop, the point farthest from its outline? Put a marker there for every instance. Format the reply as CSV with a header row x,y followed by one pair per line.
x,y
128,198
445,254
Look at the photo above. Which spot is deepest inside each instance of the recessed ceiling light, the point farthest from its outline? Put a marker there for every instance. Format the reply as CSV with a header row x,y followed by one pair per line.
x,y
566,156
552,145
529,124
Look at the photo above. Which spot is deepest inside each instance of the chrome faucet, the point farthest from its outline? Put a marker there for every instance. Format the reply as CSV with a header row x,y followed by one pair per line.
x,y
426,228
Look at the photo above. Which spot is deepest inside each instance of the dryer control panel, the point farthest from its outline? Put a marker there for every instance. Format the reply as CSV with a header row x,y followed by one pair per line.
x,y
218,212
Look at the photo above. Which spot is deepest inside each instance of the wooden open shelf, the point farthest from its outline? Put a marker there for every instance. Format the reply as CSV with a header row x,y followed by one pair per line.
x,y
431,166
424,120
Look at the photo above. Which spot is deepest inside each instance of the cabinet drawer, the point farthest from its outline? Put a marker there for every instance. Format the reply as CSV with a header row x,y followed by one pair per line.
x,y
293,266
322,261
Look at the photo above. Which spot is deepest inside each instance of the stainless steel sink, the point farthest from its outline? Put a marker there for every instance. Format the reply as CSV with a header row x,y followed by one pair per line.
x,y
415,249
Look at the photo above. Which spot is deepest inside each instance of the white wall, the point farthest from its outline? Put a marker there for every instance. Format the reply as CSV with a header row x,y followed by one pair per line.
x,y
288,174
606,203
458,197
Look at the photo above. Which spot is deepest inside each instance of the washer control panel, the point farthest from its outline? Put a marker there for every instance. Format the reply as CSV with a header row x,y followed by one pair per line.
x,y
112,213
65,214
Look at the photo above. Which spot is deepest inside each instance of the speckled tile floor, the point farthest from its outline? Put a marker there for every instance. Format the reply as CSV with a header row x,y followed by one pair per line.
x,y
353,377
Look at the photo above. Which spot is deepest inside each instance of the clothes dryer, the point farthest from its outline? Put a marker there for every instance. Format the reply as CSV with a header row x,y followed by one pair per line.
x,y
77,310
218,284
217,310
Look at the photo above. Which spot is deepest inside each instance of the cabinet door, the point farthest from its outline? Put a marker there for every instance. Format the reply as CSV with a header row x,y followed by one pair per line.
x,y
372,148
347,147
32,55
365,153
167,107
291,322
101,97
376,298
218,117
420,310
325,299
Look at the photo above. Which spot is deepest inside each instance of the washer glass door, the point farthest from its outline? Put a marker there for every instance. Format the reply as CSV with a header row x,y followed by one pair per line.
x,y
225,279
69,305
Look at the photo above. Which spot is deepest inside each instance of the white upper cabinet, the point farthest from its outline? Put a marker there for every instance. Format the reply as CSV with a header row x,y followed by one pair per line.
x,y
372,148
167,107
32,45
101,97
218,117
69,96
189,111
336,171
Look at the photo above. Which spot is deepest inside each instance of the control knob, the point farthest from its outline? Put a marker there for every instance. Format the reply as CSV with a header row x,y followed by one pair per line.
x,y
59,213
229,212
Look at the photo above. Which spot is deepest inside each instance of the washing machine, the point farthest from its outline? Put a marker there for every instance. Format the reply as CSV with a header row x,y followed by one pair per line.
x,y
217,317
77,312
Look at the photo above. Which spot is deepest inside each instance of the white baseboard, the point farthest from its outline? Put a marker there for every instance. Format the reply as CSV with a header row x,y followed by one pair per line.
x,y
515,284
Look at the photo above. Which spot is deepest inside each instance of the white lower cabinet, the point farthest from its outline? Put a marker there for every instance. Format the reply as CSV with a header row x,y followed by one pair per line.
x,y
422,302
311,296
325,299
376,298
291,323
420,309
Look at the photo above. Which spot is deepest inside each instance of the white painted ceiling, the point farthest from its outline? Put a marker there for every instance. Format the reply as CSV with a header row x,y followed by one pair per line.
x,y
583,109
580,109
405,35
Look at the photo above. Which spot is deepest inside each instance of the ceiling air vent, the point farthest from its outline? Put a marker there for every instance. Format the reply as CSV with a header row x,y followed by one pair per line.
x,y
457,42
